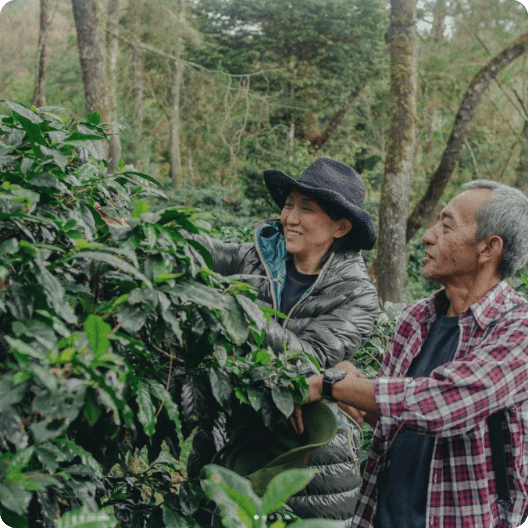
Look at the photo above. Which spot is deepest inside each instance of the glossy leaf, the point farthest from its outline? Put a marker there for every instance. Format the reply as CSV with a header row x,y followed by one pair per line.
x,y
147,411
283,486
83,518
97,332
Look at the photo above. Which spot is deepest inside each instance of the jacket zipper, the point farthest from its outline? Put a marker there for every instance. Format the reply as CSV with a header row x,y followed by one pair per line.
x,y
306,295
271,279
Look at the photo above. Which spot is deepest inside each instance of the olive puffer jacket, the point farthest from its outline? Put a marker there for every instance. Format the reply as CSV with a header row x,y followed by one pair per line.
x,y
331,321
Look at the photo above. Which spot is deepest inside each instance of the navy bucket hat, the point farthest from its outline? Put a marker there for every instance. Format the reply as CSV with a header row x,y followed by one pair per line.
x,y
336,187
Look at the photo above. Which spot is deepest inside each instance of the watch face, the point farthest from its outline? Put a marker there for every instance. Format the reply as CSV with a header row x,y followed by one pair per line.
x,y
334,374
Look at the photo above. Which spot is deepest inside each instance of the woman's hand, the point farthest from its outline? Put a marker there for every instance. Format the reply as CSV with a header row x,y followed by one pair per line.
x,y
315,389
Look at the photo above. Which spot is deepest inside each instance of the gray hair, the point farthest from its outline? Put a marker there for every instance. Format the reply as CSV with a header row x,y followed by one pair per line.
x,y
505,215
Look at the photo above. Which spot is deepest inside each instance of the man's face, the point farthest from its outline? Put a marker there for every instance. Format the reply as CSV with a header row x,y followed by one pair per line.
x,y
450,247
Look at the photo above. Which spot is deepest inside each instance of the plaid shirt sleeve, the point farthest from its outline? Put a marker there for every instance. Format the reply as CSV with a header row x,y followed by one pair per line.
x,y
489,373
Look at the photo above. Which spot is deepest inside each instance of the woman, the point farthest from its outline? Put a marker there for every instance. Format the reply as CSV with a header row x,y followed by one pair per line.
x,y
308,265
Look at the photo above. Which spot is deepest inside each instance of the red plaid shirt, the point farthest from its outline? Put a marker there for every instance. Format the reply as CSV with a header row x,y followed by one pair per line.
x,y
489,372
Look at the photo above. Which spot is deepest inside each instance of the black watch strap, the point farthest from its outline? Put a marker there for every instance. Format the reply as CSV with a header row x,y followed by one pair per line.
x,y
331,376
327,389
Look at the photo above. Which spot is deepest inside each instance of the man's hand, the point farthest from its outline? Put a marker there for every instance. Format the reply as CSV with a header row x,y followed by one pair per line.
x,y
357,415
357,398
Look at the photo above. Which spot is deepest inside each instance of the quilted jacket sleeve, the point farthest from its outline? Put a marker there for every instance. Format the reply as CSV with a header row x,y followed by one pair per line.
x,y
335,320
229,258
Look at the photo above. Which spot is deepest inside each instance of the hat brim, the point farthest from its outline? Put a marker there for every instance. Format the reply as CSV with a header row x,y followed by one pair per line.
x,y
363,234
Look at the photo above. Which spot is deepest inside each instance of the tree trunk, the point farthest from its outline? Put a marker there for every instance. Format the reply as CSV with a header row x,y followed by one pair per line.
x,y
439,14
90,39
135,7
394,201
522,171
112,51
176,82
424,209
320,140
39,96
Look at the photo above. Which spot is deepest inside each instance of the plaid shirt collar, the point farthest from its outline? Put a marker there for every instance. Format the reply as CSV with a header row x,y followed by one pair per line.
x,y
483,312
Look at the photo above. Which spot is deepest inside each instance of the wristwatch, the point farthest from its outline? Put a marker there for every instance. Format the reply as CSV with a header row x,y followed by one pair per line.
x,y
331,376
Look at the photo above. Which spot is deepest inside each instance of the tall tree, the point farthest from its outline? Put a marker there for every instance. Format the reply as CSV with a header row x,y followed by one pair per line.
x,y
394,202
426,205
313,64
90,39
134,9
522,171
176,83
39,96
112,52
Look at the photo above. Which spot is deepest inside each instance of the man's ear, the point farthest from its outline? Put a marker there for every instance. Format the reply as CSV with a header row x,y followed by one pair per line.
x,y
345,226
491,249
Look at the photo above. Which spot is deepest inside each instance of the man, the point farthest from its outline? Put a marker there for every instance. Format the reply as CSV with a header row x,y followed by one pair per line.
x,y
454,359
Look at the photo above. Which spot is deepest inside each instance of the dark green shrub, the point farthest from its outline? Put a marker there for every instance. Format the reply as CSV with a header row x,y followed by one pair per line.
x,y
116,338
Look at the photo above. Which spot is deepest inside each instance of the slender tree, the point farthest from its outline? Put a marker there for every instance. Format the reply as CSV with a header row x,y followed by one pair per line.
x,y
39,96
395,191
337,119
90,39
135,9
427,204
522,170
112,52
439,15
176,83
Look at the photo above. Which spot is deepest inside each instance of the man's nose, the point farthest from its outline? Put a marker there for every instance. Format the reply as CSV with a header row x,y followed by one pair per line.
x,y
428,237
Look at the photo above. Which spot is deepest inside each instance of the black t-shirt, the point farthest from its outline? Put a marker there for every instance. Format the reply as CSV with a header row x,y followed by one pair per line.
x,y
402,499
295,286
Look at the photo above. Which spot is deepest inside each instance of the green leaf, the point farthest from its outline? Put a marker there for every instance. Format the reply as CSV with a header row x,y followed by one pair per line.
x,y
80,136
140,207
24,112
115,262
15,498
23,348
58,157
234,321
55,293
147,411
8,247
172,410
83,518
231,492
97,332
283,486
199,294
25,166
283,400
19,461
203,251
253,311
94,118
92,410
221,386
172,519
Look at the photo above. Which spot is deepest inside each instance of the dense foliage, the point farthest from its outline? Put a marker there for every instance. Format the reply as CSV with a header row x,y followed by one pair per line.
x,y
116,338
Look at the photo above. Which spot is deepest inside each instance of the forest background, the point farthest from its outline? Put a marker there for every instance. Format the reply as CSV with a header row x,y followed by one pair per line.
x,y
418,97
102,376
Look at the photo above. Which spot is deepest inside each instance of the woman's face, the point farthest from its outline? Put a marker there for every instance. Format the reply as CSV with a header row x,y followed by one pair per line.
x,y
308,230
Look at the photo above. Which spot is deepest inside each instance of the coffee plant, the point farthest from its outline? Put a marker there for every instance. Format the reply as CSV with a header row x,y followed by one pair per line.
x,y
116,338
